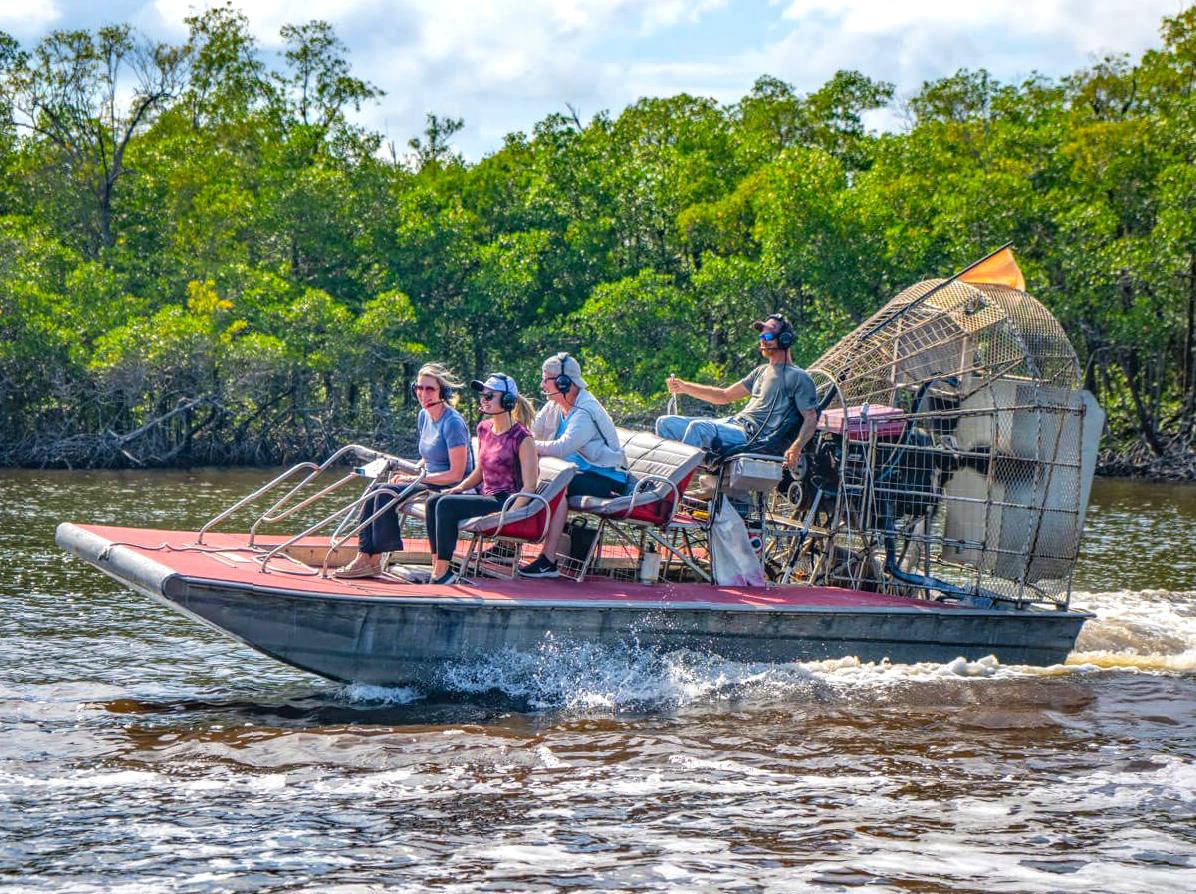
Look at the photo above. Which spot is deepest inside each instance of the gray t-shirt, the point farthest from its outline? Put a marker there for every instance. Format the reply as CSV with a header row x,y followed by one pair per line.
x,y
780,392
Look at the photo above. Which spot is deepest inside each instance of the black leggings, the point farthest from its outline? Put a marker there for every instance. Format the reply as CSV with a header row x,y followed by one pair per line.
x,y
447,511
384,534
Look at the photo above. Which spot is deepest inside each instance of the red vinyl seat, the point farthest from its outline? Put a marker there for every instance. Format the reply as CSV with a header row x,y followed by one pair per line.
x,y
516,526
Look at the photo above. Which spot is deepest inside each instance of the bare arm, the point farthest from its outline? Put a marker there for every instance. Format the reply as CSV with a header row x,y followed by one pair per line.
x,y
456,470
474,479
808,425
712,394
529,466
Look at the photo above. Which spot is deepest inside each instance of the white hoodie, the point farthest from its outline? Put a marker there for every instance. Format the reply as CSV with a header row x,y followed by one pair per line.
x,y
589,431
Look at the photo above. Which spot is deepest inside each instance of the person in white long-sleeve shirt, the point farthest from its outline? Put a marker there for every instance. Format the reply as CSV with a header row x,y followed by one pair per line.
x,y
573,426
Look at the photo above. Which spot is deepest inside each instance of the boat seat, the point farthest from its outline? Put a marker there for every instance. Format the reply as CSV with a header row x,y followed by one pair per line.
x,y
653,463
525,524
659,471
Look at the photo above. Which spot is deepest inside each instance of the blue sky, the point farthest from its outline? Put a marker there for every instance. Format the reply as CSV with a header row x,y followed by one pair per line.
x,y
504,64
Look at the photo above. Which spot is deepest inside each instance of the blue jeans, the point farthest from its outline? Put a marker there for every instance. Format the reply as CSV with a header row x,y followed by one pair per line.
x,y
701,432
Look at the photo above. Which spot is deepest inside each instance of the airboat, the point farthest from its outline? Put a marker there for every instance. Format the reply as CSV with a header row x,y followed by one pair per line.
x,y
937,513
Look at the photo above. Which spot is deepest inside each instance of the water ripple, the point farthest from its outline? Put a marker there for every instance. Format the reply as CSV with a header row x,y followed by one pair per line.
x,y
140,752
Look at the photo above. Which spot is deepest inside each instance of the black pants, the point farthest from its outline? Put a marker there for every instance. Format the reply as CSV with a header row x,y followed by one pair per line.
x,y
383,534
447,511
594,484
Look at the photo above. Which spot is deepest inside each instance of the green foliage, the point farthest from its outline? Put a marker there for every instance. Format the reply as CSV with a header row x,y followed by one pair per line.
x,y
191,233
639,330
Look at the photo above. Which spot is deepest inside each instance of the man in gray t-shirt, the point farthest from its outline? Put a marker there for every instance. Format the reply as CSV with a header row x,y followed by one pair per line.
x,y
780,393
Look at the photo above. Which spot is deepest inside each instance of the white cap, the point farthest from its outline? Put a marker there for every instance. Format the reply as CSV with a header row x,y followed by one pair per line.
x,y
564,364
499,382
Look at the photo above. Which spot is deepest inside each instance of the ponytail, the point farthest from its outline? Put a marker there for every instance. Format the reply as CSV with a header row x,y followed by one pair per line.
x,y
524,413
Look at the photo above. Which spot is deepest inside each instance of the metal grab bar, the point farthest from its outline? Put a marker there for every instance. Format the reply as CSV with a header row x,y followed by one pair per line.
x,y
388,465
253,496
640,481
398,498
311,530
291,510
362,452
502,513
506,506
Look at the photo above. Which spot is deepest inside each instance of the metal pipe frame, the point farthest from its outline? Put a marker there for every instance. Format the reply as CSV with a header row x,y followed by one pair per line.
x,y
477,537
362,452
398,497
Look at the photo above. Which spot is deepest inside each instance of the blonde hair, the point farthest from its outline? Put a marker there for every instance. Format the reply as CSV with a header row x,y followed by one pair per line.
x,y
445,379
524,413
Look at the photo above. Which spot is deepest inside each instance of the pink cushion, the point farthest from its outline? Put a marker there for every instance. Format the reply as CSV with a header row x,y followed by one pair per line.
x,y
886,420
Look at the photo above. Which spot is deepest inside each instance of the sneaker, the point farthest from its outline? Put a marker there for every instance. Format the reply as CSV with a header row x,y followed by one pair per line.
x,y
361,566
542,567
449,577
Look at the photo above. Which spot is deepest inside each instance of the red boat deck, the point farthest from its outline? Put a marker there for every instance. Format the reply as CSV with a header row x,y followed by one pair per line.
x,y
224,558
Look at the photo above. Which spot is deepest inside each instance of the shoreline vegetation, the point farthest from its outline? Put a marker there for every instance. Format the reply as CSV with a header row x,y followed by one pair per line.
x,y
204,261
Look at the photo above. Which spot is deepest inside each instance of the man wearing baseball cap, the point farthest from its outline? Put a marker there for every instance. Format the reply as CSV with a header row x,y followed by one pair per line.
x,y
781,394
573,426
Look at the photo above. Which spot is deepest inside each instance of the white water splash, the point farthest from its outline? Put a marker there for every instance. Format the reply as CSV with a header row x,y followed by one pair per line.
x,y
364,694
586,677
1148,630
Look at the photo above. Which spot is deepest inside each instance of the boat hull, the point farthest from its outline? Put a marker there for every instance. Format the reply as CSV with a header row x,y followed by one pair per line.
x,y
409,638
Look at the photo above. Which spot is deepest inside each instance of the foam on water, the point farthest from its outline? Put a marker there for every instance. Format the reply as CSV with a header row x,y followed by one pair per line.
x,y
365,695
1147,630
581,676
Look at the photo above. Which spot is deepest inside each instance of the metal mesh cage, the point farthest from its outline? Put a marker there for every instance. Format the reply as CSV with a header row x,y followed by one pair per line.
x,y
958,448
974,333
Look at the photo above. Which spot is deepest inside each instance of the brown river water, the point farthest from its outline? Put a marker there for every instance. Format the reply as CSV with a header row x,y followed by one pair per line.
x,y
141,752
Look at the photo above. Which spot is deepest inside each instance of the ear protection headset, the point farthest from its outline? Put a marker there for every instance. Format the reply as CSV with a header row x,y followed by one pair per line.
x,y
507,400
562,382
445,391
786,337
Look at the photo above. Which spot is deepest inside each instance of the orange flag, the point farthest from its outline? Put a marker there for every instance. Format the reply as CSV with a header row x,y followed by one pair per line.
x,y
1001,269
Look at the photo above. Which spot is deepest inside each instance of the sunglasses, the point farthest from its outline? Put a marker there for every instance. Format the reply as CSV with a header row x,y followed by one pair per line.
x,y
424,387
768,336
487,395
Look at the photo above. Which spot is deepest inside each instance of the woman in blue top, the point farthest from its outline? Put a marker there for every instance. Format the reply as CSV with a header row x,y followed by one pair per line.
x,y
444,451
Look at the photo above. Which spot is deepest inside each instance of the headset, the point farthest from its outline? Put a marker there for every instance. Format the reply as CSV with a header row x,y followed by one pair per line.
x,y
445,391
508,399
786,337
563,382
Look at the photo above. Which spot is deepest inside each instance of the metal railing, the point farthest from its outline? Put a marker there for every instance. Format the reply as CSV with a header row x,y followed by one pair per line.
x,y
277,512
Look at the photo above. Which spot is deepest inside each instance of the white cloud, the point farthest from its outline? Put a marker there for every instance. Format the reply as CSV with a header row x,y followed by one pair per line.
x,y
1091,25
502,65
666,13
27,18
919,40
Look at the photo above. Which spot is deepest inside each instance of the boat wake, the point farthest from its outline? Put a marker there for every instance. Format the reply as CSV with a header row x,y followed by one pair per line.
x,y
588,678
1147,630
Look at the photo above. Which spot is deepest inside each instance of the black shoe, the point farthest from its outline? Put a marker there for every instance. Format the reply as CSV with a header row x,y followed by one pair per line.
x,y
542,567
449,577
